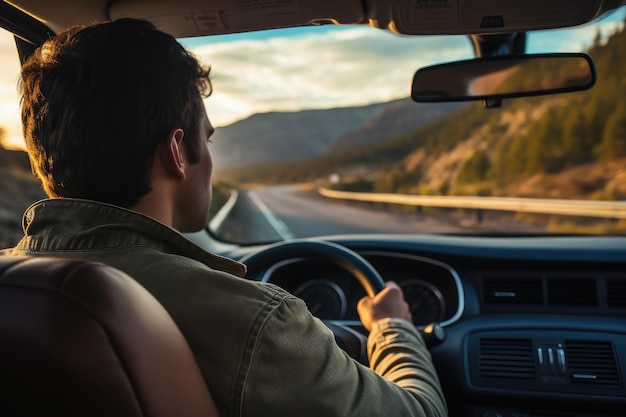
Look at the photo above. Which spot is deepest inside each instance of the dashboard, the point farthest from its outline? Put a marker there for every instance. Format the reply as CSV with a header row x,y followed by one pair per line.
x,y
432,289
534,327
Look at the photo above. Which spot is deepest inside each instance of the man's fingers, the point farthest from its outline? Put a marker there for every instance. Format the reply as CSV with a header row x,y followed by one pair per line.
x,y
387,303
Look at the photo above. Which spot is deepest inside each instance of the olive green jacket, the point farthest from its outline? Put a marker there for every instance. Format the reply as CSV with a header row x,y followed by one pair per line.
x,y
260,350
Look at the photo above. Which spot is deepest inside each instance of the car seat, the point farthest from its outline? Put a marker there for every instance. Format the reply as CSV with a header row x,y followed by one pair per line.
x,y
80,338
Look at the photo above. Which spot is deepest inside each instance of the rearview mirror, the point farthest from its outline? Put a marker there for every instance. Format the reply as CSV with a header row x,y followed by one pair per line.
x,y
504,76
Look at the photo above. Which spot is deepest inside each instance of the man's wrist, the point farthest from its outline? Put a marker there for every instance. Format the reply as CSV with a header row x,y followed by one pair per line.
x,y
392,329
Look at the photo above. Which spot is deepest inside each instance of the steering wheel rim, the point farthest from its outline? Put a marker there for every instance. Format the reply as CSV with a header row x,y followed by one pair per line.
x,y
351,341
349,260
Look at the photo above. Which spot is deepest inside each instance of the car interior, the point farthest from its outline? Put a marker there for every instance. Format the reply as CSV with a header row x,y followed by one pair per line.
x,y
518,325
75,334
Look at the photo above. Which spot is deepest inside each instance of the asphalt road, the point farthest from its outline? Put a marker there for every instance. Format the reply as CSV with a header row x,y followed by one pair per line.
x,y
286,212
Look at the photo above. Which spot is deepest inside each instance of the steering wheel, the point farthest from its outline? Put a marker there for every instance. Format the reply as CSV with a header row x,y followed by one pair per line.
x,y
351,261
352,341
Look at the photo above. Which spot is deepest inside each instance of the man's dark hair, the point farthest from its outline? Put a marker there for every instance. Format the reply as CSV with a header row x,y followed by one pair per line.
x,y
96,102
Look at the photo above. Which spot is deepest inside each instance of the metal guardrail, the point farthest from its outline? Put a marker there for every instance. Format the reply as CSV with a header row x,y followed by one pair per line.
x,y
605,209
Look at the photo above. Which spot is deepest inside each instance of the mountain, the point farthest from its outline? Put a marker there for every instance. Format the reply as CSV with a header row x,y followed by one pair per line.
x,y
397,117
254,141
278,137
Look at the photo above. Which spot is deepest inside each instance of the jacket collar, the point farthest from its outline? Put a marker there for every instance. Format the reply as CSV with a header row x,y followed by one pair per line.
x,y
66,224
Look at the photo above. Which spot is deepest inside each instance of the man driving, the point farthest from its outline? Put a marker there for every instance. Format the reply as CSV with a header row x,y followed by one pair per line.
x,y
117,132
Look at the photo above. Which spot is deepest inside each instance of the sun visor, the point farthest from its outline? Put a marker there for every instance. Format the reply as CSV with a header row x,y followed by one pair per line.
x,y
187,18
417,17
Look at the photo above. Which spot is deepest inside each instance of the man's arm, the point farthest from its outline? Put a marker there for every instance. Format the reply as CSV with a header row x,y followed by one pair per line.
x,y
396,350
298,369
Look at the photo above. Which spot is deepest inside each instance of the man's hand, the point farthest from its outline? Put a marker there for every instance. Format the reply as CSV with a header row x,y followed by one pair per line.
x,y
387,303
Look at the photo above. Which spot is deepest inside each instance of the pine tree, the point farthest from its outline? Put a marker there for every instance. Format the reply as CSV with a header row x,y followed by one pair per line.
x,y
577,144
545,146
475,168
597,40
614,139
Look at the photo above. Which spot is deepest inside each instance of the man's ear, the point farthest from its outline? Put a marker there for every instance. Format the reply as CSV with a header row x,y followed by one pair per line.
x,y
171,154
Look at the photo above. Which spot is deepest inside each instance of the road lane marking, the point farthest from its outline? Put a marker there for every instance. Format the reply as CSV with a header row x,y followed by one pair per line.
x,y
278,225
218,220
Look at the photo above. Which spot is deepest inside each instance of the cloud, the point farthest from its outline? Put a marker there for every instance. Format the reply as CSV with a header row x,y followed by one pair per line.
x,y
334,68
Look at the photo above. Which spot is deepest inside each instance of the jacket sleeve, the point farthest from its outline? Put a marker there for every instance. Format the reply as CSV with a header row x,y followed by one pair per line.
x,y
397,352
296,368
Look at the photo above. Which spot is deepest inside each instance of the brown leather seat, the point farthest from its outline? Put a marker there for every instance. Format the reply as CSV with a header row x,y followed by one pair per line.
x,y
82,339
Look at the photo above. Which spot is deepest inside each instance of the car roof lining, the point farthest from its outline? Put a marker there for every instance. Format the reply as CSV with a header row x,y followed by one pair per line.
x,y
207,17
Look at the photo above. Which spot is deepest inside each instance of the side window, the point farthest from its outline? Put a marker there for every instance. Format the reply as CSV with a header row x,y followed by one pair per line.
x,y
18,186
10,135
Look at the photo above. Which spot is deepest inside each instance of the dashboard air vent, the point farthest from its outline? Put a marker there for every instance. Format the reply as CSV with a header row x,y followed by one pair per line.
x,y
512,290
572,291
592,363
616,293
506,358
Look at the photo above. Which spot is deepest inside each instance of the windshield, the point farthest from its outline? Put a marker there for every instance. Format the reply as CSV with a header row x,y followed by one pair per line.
x,y
317,135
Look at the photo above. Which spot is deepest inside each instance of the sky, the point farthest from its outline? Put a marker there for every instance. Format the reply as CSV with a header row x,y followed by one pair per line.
x,y
311,68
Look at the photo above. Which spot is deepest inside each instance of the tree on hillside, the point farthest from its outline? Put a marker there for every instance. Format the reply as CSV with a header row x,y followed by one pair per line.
x,y
475,168
599,106
545,150
397,180
614,139
597,40
577,144
500,169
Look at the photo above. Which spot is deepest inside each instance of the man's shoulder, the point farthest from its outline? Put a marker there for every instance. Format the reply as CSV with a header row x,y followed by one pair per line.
x,y
183,272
